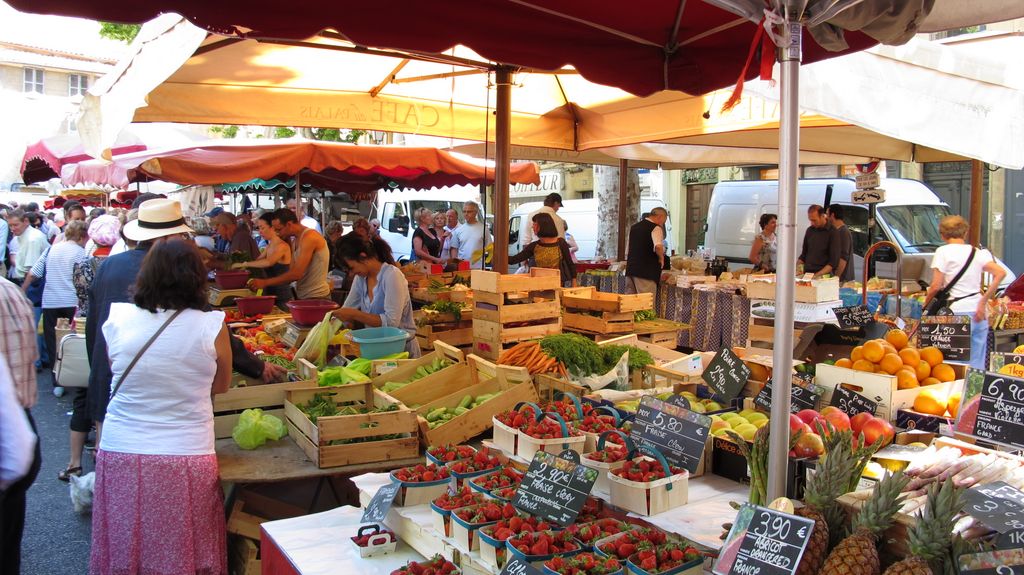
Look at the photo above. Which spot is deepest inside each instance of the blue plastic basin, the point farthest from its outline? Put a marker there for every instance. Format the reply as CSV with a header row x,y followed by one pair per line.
x,y
376,342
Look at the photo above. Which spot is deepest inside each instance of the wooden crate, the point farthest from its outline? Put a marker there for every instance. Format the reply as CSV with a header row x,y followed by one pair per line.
x,y
403,370
315,438
539,279
228,406
243,556
510,308
424,295
588,298
490,338
460,336
607,322
420,280
669,365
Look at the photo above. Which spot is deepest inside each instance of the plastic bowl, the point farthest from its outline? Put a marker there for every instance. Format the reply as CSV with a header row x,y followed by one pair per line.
x,y
231,279
310,311
375,342
257,304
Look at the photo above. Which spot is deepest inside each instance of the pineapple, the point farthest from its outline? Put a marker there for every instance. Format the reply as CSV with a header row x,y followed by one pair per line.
x,y
931,538
857,554
823,488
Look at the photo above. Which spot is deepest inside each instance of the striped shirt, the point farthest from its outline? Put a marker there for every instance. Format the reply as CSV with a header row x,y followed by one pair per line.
x,y
18,341
58,263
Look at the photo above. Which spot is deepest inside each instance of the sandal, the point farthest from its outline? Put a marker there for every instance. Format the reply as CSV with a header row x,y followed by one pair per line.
x,y
65,475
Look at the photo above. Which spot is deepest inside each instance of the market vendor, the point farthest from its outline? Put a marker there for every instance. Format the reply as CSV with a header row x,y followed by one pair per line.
x,y
274,260
240,240
645,257
820,253
310,259
380,293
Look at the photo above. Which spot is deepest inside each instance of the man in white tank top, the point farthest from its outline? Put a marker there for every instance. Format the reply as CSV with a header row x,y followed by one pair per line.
x,y
310,262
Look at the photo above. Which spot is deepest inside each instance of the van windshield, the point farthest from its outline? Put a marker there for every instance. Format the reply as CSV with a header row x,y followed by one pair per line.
x,y
915,228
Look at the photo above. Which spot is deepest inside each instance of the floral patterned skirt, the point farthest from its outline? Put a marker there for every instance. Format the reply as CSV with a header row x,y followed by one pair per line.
x,y
157,515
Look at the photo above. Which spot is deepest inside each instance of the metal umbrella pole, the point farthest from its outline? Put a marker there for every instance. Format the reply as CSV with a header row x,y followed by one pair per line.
x,y
782,355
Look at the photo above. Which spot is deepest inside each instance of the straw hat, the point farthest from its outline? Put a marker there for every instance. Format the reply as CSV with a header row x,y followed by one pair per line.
x,y
157,218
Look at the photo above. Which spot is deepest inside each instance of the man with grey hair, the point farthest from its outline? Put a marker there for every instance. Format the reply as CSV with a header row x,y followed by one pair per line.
x,y
239,239
306,220
469,238
645,256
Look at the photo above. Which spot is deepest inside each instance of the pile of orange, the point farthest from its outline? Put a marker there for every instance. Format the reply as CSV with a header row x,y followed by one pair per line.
x,y
893,355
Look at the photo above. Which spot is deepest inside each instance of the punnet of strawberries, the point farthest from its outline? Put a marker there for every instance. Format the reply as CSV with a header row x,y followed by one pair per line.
x,y
481,461
436,566
505,493
626,545
588,533
463,498
644,470
664,557
583,564
485,512
507,528
547,429
607,455
364,540
517,419
421,473
446,453
567,408
506,477
544,543
595,423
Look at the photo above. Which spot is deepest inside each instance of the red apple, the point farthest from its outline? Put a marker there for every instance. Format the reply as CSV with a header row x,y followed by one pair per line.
x,y
878,427
808,416
795,424
857,421
839,420
809,445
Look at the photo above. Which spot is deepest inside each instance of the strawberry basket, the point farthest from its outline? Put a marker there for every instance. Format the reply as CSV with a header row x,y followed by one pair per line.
x,y
666,559
467,520
441,508
493,537
421,484
496,479
549,433
569,407
444,454
599,420
507,424
505,493
583,564
648,485
607,457
376,542
482,462
587,534
436,566
624,544
540,546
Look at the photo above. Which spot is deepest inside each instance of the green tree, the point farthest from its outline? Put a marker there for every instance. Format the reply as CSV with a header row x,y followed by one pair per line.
x,y
282,132
224,131
121,32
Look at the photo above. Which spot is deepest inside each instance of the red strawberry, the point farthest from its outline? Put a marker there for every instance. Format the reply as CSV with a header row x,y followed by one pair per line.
x,y
677,554
540,548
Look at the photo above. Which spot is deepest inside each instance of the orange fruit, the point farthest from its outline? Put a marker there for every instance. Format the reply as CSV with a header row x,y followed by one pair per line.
x,y
864,365
910,356
923,370
929,381
906,379
857,353
844,362
943,372
758,372
889,348
932,355
874,351
897,337
891,363
953,403
930,401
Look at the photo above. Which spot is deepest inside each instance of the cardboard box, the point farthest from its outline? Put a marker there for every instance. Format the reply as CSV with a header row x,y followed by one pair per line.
x,y
819,290
878,387
802,312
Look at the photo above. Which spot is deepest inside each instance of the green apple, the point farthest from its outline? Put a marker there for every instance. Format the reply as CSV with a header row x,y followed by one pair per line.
x,y
756,416
697,408
712,405
746,431
760,423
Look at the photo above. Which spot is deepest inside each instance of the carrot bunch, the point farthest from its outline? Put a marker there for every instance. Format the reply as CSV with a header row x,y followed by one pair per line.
x,y
529,354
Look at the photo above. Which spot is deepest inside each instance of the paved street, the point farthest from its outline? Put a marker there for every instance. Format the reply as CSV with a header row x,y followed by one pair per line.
x,y
56,538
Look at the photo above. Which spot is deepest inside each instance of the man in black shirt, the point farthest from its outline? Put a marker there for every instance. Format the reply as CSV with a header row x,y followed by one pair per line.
x,y
820,252
844,239
645,255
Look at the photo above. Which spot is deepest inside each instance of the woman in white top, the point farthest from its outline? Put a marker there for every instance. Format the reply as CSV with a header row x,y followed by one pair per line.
x,y
158,506
966,297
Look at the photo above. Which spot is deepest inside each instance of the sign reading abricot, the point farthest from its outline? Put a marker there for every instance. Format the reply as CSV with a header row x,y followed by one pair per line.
x,y
851,403
803,397
377,509
726,375
949,333
555,487
764,542
678,434
854,316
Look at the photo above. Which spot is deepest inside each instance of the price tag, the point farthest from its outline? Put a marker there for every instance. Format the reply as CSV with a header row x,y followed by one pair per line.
x,y
555,488
764,541
852,317
378,507
999,562
516,566
998,410
1007,363
1011,540
678,434
803,396
678,401
726,375
949,333
851,403
998,505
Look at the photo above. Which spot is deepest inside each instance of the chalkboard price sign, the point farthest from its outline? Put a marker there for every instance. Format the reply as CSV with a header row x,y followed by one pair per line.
x,y
998,562
555,487
726,375
803,397
1000,410
764,541
851,403
379,505
678,401
678,434
949,333
998,505
852,317
1011,540
515,566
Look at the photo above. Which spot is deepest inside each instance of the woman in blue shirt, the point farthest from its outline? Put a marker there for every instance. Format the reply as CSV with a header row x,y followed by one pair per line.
x,y
380,293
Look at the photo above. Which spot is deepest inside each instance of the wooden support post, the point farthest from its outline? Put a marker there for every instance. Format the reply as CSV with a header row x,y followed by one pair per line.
x,y
977,182
502,156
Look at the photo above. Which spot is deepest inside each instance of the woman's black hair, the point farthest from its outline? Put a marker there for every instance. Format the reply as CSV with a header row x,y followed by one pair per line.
x,y
353,247
285,216
766,219
545,225
268,218
172,277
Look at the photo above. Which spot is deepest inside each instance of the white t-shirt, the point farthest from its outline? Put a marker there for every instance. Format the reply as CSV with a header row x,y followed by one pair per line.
x,y
949,259
468,238
58,263
658,237
311,223
164,405
527,231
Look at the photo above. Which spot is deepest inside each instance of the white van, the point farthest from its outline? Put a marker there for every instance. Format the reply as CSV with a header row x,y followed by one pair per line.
x,y
395,209
909,217
581,218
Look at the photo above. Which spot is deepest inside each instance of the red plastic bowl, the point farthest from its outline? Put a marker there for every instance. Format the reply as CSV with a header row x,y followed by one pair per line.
x,y
310,311
257,304
231,280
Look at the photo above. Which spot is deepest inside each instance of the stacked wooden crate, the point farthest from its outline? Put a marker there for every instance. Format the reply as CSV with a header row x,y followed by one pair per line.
x,y
444,327
589,310
509,308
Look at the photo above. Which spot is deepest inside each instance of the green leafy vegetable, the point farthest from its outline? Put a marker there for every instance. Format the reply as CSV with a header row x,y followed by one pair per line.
x,y
254,428
638,358
580,355
340,376
454,308
278,360
644,315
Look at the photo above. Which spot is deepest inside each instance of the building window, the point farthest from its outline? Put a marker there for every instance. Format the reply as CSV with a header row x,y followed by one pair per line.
x,y
587,195
33,80
77,84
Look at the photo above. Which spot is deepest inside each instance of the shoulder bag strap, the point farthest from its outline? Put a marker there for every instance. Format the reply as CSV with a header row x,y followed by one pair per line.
x,y
142,351
960,274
